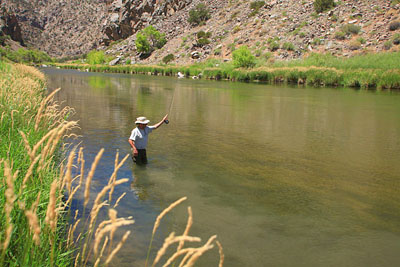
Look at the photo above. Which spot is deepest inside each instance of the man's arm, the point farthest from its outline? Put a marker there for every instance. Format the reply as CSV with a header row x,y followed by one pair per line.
x,y
132,143
155,126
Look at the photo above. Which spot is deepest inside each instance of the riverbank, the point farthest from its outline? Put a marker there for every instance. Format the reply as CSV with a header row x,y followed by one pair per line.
x,y
376,71
31,129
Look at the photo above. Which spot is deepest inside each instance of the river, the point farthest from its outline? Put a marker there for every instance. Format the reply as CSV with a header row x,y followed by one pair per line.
x,y
284,175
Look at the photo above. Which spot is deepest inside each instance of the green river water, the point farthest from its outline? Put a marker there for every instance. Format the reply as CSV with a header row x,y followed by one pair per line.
x,y
285,176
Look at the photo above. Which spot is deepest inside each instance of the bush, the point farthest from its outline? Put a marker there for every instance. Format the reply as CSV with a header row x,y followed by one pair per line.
x,y
255,7
242,58
316,41
199,14
288,46
323,5
355,45
340,35
168,58
149,39
387,45
274,45
202,34
351,29
396,39
361,40
95,57
394,25
202,42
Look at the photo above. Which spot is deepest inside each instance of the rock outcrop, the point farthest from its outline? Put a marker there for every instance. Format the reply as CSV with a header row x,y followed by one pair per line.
x,y
9,26
127,17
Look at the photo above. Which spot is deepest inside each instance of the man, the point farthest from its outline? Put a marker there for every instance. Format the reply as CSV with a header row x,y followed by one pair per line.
x,y
139,137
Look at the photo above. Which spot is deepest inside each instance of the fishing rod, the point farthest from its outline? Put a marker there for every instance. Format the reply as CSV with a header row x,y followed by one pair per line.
x,y
170,106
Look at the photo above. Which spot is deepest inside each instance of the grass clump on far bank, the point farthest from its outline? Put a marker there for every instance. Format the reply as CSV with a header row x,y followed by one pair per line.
x,y
25,55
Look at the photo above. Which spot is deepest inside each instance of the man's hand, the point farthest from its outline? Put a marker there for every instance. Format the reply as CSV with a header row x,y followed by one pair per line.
x,y
165,118
135,152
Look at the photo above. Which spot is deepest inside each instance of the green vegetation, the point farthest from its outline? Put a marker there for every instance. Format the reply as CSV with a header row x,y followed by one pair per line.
x,y
367,71
288,46
95,57
202,38
349,29
29,236
199,15
387,45
340,35
396,39
323,5
25,55
149,39
242,58
168,58
255,7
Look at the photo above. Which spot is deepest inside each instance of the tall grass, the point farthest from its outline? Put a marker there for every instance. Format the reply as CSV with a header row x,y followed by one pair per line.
x,y
37,185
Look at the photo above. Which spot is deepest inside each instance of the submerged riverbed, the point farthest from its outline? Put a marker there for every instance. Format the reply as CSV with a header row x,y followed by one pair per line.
x,y
285,176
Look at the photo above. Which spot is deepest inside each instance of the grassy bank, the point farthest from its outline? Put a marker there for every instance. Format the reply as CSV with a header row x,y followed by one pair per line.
x,y
38,183
30,233
380,71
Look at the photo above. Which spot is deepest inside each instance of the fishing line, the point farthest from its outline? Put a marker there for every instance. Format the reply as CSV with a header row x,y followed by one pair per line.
x,y
170,106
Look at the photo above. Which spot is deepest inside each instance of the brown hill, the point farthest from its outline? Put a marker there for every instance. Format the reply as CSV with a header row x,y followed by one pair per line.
x,y
280,29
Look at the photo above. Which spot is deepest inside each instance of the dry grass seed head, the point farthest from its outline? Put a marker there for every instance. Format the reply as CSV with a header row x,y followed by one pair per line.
x,y
118,247
51,213
119,199
90,175
188,226
200,251
221,254
164,212
114,175
170,240
177,254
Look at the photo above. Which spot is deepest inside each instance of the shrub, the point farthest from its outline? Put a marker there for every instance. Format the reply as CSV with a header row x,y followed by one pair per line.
x,y
387,45
340,35
149,39
288,46
236,29
202,42
242,58
361,40
394,25
255,7
202,34
168,58
217,51
354,45
316,41
274,45
95,57
351,29
323,5
396,39
199,14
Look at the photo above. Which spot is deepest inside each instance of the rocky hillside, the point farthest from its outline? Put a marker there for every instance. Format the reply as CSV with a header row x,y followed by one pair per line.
x,y
277,29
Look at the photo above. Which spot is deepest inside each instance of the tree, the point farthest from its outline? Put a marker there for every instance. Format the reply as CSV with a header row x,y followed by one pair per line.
x,y
199,14
242,58
149,39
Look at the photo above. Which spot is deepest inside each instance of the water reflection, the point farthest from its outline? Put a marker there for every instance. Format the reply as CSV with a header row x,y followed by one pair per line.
x,y
284,176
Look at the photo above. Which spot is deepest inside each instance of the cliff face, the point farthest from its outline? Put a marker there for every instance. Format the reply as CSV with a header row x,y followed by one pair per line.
x,y
127,17
9,26
69,27
61,28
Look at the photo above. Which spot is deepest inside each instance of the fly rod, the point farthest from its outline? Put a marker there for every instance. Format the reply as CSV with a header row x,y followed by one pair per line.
x,y
170,106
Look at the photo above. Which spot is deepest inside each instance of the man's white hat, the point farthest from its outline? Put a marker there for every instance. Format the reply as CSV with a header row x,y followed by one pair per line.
x,y
142,120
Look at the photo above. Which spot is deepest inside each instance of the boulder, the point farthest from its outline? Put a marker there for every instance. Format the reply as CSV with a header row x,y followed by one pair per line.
x,y
195,54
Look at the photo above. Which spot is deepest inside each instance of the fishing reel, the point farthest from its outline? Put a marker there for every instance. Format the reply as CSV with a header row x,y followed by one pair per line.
x,y
166,121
